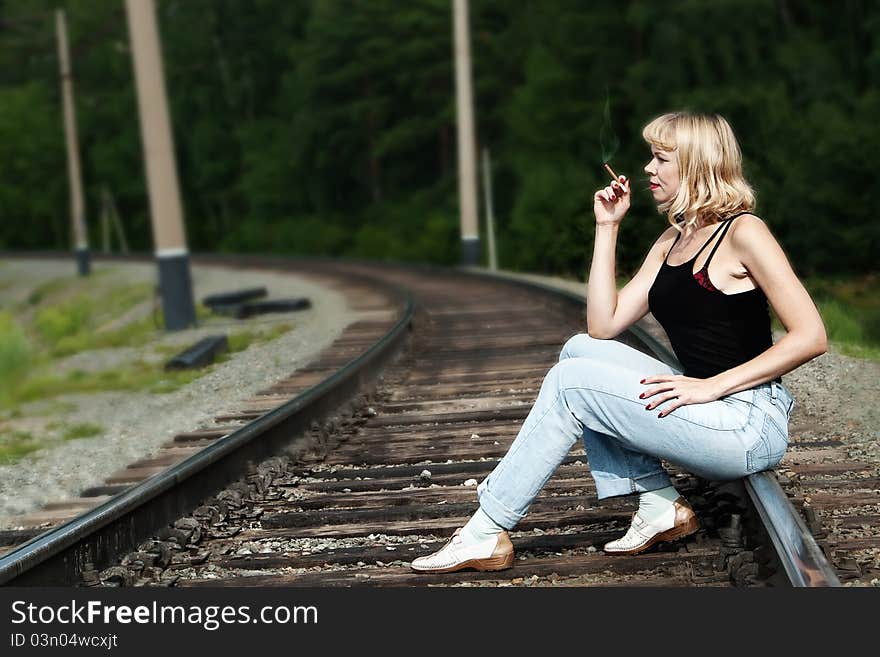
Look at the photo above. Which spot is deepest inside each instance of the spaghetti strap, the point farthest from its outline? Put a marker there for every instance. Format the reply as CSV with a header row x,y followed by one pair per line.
x,y
706,243
666,259
727,224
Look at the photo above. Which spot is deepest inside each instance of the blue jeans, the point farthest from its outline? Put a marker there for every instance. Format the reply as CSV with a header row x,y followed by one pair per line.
x,y
593,391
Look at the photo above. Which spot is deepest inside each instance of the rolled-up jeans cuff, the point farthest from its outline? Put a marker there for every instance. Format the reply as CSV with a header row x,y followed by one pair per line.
x,y
623,486
493,508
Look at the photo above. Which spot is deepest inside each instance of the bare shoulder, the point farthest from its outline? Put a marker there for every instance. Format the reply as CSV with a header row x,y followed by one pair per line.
x,y
753,242
749,230
667,237
664,242
670,233
657,253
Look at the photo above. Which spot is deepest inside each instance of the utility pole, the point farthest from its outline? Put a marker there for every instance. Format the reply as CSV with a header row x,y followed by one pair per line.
x,y
113,212
467,155
109,213
169,235
490,218
74,171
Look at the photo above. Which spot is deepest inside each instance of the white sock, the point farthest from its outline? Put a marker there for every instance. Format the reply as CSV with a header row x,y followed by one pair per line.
x,y
479,528
654,503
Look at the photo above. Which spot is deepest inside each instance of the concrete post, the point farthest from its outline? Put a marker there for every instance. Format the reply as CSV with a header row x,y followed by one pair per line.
x,y
467,156
490,217
74,171
165,208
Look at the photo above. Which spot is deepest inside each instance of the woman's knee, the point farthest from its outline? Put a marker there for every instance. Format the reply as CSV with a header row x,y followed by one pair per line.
x,y
568,372
583,346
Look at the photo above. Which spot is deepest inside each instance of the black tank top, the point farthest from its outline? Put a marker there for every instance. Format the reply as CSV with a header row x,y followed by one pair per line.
x,y
710,331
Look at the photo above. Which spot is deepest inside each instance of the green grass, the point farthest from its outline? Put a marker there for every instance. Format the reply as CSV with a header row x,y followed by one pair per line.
x,y
203,312
71,327
65,328
133,334
45,407
138,375
243,339
277,331
16,444
859,351
841,324
850,310
167,350
10,413
48,289
81,430
16,354
59,328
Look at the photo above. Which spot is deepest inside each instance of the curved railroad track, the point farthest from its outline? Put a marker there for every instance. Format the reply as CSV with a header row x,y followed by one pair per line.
x,y
346,471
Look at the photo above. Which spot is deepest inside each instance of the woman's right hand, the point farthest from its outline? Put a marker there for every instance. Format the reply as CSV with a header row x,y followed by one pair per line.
x,y
611,204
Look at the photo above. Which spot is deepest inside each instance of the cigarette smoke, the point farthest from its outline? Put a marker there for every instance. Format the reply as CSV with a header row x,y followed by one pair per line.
x,y
607,137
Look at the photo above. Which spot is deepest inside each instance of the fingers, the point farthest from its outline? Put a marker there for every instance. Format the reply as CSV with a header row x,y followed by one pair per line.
x,y
616,190
676,401
661,378
666,411
656,402
607,194
656,391
667,386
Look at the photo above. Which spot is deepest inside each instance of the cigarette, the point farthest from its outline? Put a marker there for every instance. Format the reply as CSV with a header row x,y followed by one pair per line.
x,y
614,175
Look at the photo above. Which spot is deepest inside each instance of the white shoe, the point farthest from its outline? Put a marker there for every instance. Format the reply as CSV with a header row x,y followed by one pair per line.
x,y
677,521
494,553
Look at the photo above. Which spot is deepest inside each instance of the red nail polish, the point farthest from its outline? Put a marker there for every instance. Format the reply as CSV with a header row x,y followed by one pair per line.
x,y
642,396
648,407
642,381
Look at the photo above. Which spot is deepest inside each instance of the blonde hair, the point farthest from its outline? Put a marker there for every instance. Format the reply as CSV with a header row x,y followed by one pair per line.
x,y
712,185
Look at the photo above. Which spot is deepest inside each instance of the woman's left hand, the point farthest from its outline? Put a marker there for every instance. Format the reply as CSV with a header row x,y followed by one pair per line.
x,y
680,389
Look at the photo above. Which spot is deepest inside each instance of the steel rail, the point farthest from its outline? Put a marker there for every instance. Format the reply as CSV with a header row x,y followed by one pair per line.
x,y
59,556
803,560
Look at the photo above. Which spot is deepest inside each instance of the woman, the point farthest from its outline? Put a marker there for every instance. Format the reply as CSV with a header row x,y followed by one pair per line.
x,y
707,280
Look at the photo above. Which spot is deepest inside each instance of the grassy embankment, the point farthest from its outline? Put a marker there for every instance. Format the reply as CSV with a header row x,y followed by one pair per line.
x,y
850,308
68,316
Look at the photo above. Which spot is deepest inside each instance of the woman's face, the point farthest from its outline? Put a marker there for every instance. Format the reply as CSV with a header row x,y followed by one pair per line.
x,y
662,173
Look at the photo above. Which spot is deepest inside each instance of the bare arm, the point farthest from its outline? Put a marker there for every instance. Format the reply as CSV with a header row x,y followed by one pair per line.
x,y
610,312
805,335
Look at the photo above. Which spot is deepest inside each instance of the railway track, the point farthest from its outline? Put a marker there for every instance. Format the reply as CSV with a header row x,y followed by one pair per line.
x,y
347,490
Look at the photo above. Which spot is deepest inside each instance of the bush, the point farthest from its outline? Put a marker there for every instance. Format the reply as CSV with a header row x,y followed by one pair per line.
x,y
65,321
15,353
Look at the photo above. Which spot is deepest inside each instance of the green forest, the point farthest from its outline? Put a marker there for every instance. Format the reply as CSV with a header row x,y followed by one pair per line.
x,y
327,127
